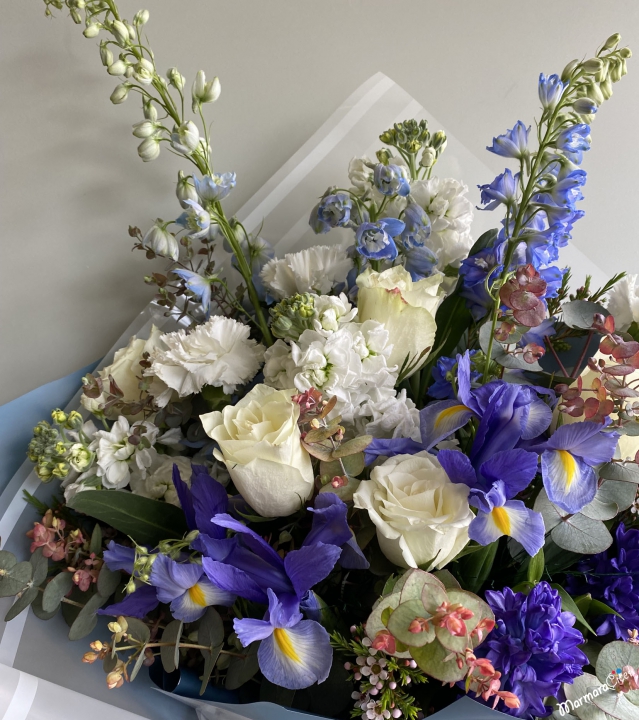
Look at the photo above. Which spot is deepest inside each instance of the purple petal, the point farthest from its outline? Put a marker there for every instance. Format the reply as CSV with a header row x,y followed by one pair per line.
x,y
463,379
185,498
250,630
118,557
516,468
513,519
209,499
252,540
329,521
233,580
569,481
282,614
352,557
458,467
536,419
309,565
390,447
171,578
441,419
586,440
137,604
296,657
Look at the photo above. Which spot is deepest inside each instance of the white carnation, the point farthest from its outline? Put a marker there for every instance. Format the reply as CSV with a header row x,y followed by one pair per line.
x,y
623,302
317,270
218,353
451,215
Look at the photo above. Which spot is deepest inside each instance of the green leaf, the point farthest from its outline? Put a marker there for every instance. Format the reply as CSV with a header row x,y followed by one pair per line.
x,y
40,565
138,665
7,560
449,580
353,464
87,619
320,434
352,447
137,630
170,654
241,670
108,580
38,611
146,521
319,451
485,240
95,546
536,567
400,619
480,610
59,586
569,605
27,597
331,697
210,658
500,355
476,568
211,629
618,654
16,578
624,472
109,663
453,319
597,608
580,534
580,313
432,660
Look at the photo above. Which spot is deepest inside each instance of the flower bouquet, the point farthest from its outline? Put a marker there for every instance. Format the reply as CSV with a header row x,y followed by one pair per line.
x,y
362,479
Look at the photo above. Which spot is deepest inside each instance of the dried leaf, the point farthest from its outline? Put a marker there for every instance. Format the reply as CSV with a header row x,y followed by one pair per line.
x,y
351,447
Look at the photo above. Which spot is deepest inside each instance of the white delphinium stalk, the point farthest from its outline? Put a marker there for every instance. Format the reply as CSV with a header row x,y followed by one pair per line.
x,y
317,270
218,353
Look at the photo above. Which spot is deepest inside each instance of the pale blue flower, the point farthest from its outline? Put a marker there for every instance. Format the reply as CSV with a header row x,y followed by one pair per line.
x,y
375,239
196,220
198,285
332,211
513,143
417,226
550,90
391,180
214,187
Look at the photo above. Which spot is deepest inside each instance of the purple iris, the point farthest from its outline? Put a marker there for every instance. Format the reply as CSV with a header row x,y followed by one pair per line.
x,y
612,577
375,239
513,143
493,487
534,646
568,459
205,498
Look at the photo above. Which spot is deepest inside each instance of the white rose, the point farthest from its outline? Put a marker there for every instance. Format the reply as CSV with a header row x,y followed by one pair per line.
x,y
406,308
421,517
260,444
623,302
127,372
158,483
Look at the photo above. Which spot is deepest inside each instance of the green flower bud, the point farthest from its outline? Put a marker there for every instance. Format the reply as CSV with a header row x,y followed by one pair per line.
x,y
80,457
292,316
75,16
591,66
61,470
75,420
176,78
117,68
568,70
44,471
625,53
92,30
150,111
141,17
59,416
383,156
105,54
606,88
428,158
439,141
611,42
120,32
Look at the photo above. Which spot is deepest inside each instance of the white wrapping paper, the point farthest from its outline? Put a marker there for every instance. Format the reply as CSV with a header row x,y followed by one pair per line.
x,y
282,206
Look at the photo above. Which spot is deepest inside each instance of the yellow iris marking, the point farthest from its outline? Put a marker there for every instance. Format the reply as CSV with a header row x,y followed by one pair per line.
x,y
196,595
446,414
569,466
501,519
285,645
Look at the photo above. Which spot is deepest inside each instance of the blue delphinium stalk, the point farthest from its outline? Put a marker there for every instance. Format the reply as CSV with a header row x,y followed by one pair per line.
x,y
534,646
375,239
612,577
444,372
540,198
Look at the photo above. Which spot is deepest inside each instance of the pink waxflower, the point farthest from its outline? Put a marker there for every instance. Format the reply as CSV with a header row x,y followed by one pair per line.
x,y
451,616
384,641
82,578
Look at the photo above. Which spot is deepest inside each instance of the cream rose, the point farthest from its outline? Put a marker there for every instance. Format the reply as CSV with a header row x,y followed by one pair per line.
x,y
421,517
127,372
260,444
406,308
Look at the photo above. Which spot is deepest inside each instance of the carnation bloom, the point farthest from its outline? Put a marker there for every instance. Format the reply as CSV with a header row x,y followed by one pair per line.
x,y
317,269
534,646
610,577
218,353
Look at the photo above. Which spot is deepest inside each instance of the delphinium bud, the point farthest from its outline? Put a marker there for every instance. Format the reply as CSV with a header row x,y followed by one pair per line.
x,y
141,17
91,30
150,111
569,70
611,42
149,149
105,54
185,189
120,94
176,78
120,32
117,68
203,91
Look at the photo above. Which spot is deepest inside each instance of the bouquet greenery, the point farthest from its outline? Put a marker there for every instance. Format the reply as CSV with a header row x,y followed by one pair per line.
x,y
401,470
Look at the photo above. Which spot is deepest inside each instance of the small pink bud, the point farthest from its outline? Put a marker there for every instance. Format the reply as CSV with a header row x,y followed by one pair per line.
x,y
347,666
413,664
353,629
358,676
397,713
392,685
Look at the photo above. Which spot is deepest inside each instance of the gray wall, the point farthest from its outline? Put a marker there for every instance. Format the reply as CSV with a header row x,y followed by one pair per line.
x,y
72,181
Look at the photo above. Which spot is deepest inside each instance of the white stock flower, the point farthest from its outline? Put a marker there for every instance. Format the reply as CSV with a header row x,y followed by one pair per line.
x,y
117,457
218,352
332,311
394,416
260,444
316,270
158,481
623,302
406,308
349,363
421,517
451,215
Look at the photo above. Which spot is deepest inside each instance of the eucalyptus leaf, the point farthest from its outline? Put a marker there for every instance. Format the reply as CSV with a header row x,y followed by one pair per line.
x,y
569,605
210,658
499,353
581,534
580,313
55,590
448,579
241,670
624,472
87,619
27,597
138,665
353,464
108,581
40,565
137,630
400,620
582,687
615,655
7,560
95,546
38,610
551,514
320,434
352,447
109,663
15,579
211,629
170,654
432,660
146,521
622,494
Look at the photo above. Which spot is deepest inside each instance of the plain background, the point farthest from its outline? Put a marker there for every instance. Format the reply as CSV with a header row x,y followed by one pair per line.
x,y
72,182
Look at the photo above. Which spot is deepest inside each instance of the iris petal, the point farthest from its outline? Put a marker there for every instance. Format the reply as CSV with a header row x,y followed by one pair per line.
x,y
513,519
441,419
569,481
